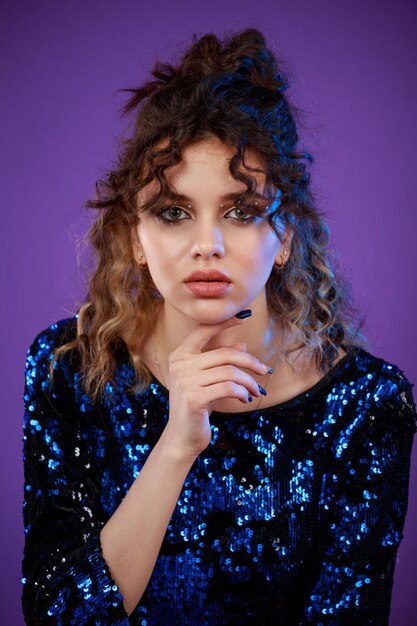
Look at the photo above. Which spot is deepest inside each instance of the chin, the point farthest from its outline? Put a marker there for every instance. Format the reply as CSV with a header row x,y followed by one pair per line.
x,y
213,314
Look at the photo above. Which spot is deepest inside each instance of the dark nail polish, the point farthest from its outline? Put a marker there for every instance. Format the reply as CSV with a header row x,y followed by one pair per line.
x,y
250,397
270,370
262,390
242,314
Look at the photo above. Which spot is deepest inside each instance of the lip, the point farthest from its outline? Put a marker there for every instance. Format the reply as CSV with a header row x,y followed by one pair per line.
x,y
208,289
207,276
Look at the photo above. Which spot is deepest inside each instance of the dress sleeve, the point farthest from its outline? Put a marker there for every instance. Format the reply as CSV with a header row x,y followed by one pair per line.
x,y
65,577
366,498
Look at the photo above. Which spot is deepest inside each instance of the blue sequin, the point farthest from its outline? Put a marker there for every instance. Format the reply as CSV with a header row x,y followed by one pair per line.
x,y
293,514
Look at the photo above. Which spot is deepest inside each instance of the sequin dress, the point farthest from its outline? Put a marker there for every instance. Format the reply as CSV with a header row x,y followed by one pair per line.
x,y
292,515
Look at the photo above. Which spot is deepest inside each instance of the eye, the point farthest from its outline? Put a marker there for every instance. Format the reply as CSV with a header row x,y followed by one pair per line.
x,y
170,215
246,213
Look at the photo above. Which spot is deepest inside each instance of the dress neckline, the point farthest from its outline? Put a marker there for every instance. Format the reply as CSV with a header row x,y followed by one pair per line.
x,y
351,351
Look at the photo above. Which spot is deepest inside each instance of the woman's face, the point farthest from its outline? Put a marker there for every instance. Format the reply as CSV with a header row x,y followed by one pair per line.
x,y
203,229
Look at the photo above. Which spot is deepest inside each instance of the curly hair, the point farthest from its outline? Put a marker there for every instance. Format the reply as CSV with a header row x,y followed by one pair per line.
x,y
231,89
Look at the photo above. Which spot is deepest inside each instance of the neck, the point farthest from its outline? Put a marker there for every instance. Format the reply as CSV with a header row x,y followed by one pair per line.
x,y
262,335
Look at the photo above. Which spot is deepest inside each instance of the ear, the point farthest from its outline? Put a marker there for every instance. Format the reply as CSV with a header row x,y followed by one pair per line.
x,y
136,244
289,234
286,245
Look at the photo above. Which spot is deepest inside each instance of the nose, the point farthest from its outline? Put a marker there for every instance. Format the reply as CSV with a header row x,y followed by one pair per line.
x,y
207,241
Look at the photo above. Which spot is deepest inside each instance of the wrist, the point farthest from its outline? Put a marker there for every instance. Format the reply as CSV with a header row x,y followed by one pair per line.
x,y
176,451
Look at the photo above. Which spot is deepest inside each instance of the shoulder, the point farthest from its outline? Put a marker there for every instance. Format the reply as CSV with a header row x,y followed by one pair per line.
x,y
49,399
390,391
389,379
43,346
55,335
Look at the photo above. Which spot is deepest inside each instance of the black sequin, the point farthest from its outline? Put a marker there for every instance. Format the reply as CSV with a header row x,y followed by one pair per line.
x,y
292,515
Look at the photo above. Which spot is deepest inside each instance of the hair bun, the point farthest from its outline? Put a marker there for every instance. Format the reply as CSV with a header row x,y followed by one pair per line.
x,y
245,55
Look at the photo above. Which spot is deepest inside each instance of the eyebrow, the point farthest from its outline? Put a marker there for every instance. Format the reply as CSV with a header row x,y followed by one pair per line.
x,y
228,196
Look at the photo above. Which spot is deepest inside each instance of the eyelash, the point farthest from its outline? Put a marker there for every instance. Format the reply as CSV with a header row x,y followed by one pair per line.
x,y
246,209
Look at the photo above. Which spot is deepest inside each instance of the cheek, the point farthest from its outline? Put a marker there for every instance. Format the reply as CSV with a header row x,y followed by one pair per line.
x,y
167,254
164,260
261,254
160,247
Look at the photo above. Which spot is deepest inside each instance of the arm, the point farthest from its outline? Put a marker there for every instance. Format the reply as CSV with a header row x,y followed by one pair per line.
x,y
367,496
65,578
81,565
67,549
136,529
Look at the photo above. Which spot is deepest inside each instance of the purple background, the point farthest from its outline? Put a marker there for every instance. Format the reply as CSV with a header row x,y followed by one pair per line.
x,y
353,68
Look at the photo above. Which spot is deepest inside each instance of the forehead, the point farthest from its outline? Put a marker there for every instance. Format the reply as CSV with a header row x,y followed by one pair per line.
x,y
212,148
207,158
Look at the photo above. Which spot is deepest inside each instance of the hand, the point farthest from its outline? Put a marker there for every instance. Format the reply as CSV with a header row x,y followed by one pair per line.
x,y
199,378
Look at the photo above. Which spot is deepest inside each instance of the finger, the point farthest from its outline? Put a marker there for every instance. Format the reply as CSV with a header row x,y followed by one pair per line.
x,y
229,373
224,390
229,355
238,346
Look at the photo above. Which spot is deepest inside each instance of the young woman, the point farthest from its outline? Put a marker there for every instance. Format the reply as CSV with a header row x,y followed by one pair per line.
x,y
208,441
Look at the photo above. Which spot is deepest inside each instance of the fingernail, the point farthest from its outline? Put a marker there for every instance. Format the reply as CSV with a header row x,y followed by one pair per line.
x,y
250,397
262,390
270,370
242,314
